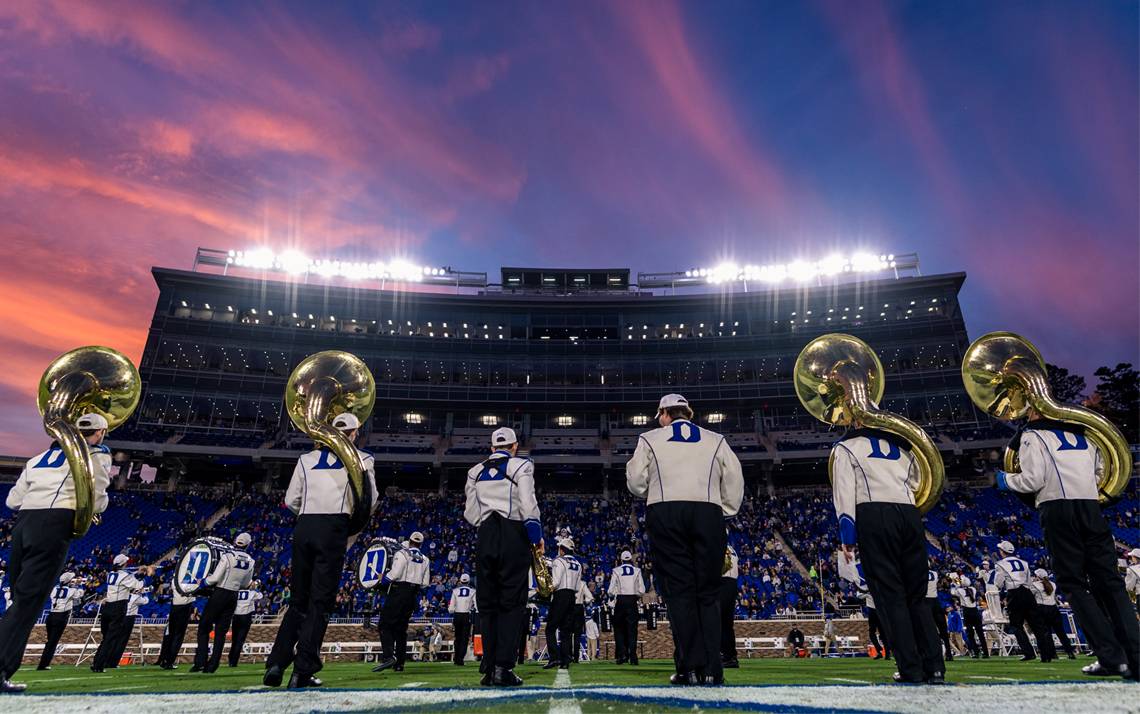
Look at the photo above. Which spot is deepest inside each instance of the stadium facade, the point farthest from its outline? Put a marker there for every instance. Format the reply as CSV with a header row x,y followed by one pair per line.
x,y
575,361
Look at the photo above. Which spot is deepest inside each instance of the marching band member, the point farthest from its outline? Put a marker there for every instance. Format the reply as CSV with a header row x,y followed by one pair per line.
x,y
44,501
938,614
1061,467
1046,594
1132,576
411,571
874,624
233,574
967,596
502,505
1012,576
323,503
874,502
691,481
567,574
63,600
121,584
243,620
583,599
460,606
180,608
728,591
136,600
627,585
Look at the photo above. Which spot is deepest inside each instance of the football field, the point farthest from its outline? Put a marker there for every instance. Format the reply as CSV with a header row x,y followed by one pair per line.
x,y
769,685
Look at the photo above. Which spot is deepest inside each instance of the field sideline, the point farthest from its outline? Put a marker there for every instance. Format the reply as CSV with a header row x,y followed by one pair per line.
x,y
777,685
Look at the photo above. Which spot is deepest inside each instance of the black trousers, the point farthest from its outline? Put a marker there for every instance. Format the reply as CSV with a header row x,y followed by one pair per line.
x,y
939,616
241,625
524,635
111,618
975,635
502,562
56,624
687,542
174,633
319,542
892,545
874,630
462,623
126,629
625,629
39,550
216,617
1051,620
1022,607
560,623
728,590
394,619
1084,560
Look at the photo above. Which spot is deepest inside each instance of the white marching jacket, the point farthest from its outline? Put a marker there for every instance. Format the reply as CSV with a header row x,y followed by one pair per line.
x,y
409,565
1057,463
626,579
684,462
320,484
46,481
234,571
566,572
462,600
869,466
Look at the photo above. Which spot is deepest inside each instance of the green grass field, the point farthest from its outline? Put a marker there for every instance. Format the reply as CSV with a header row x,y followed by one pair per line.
x,y
358,675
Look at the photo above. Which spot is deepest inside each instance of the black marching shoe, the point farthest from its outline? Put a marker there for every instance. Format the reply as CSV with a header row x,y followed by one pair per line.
x,y
685,679
551,664
272,676
486,680
303,681
730,663
713,680
620,661
386,663
97,670
196,668
633,661
398,668
503,677
1096,669
1027,658
7,686
936,678
45,668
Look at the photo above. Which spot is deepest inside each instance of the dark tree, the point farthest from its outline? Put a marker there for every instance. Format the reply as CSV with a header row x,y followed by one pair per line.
x,y
1066,387
1117,396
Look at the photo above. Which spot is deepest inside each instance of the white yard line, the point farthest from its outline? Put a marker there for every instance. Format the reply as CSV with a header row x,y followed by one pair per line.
x,y
995,679
564,705
849,681
120,689
412,685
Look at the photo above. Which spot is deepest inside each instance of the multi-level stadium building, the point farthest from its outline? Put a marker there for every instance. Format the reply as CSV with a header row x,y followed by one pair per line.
x,y
574,360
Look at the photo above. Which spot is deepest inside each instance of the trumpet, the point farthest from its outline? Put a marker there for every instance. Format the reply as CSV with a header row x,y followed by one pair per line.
x,y
321,387
839,380
87,379
1005,375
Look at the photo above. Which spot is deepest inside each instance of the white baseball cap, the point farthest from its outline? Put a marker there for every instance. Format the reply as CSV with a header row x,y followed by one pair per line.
x,y
1005,546
346,422
1134,553
1041,573
416,537
120,559
465,578
91,421
626,555
67,577
242,540
504,436
672,400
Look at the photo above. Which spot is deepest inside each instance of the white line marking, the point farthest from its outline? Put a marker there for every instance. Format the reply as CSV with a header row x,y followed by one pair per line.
x,y
998,679
412,685
119,689
564,705
851,681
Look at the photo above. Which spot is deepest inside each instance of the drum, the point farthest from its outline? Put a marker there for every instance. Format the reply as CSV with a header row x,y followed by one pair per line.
x,y
198,563
376,562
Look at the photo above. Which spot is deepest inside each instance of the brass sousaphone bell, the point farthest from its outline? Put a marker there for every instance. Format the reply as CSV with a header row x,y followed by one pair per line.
x,y
323,386
96,380
839,380
1005,375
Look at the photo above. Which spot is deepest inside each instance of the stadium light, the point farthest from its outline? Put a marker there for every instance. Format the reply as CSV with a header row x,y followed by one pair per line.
x,y
800,271
296,263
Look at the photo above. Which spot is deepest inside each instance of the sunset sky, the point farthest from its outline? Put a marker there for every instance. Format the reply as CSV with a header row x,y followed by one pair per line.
x,y
999,139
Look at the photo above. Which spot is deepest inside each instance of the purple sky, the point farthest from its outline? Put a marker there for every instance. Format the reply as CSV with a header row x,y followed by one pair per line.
x,y
995,138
